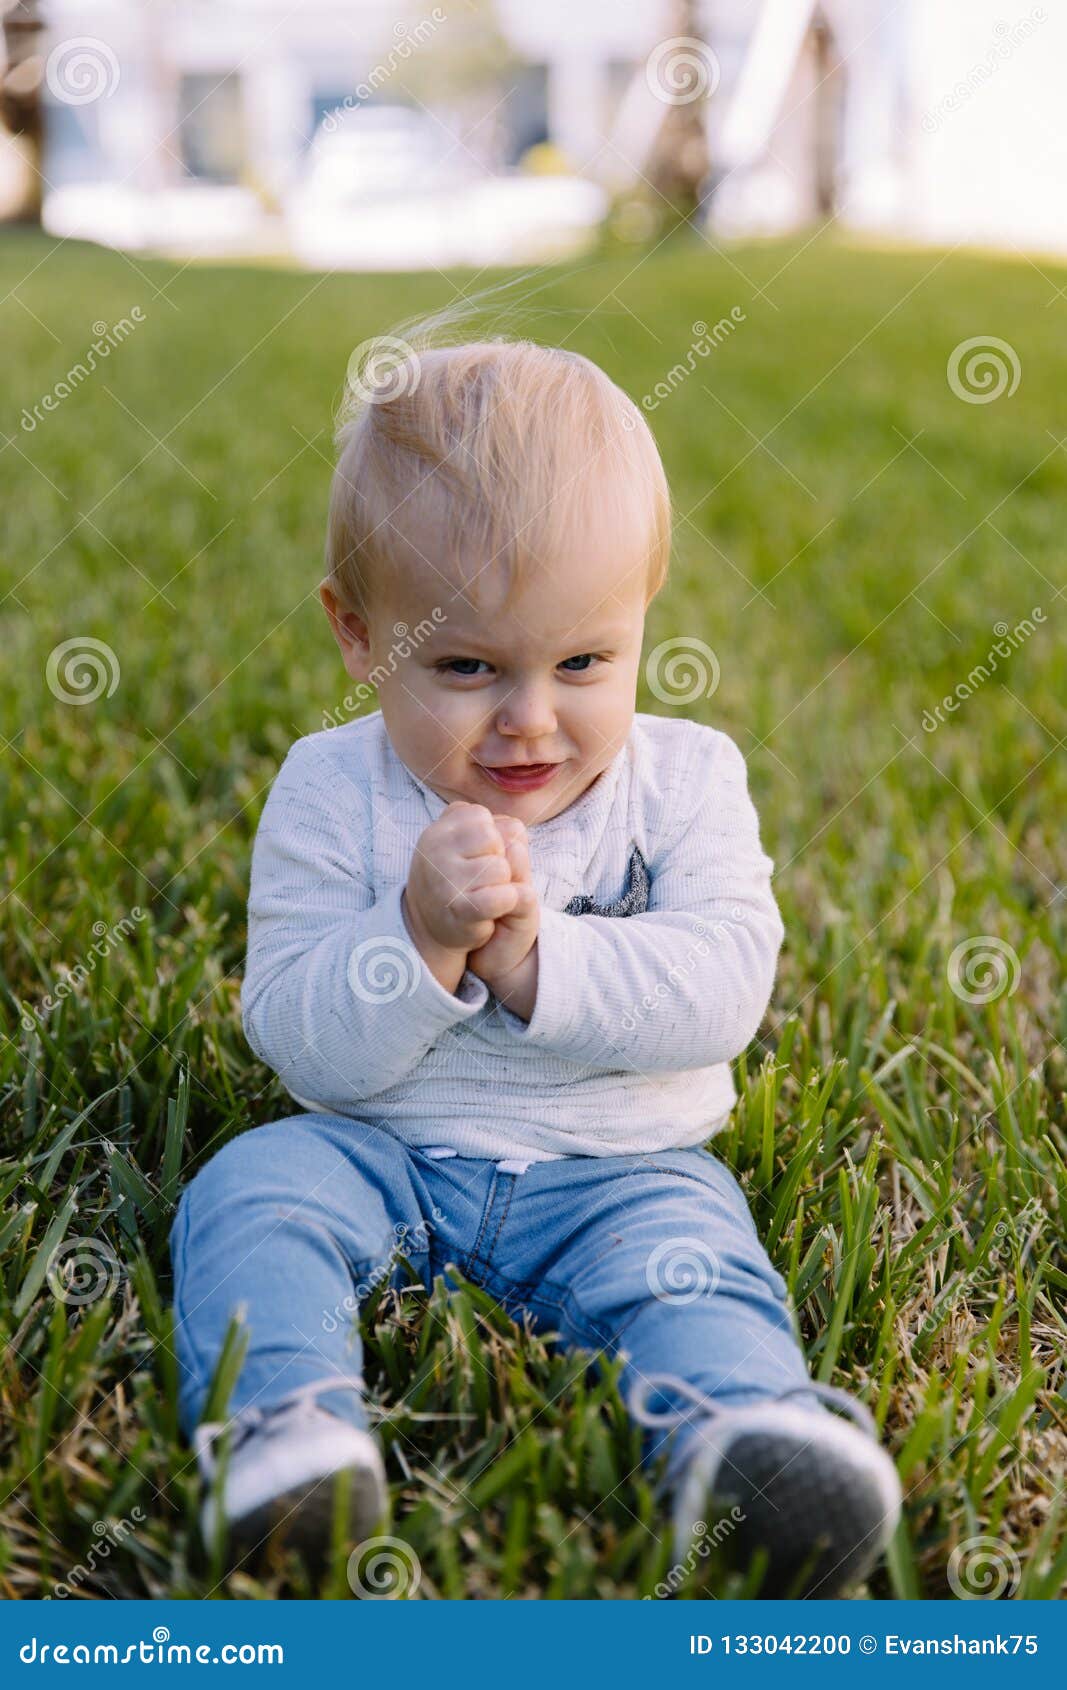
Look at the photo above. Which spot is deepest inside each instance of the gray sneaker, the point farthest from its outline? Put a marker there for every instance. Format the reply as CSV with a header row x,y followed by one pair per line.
x,y
283,1469
818,1495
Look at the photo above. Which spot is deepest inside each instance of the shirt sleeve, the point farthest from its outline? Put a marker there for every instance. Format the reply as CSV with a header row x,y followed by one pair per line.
x,y
336,997
686,983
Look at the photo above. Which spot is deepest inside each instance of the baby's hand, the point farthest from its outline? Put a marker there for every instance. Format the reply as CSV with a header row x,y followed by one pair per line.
x,y
459,885
514,934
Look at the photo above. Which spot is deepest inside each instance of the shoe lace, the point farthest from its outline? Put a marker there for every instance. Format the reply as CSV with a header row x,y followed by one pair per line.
x,y
241,1425
668,1382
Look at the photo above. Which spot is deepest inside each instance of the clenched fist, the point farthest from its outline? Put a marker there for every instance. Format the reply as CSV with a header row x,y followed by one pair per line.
x,y
514,933
469,901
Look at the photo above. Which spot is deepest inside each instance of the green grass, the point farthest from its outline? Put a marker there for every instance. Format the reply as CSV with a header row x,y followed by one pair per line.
x,y
903,1149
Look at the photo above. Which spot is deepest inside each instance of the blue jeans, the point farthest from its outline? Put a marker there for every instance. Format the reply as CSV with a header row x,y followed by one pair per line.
x,y
652,1256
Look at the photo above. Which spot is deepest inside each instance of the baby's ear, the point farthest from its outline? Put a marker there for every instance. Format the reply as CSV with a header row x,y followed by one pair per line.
x,y
350,631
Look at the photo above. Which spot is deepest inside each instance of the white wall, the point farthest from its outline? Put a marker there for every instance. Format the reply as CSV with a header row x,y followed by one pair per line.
x,y
988,126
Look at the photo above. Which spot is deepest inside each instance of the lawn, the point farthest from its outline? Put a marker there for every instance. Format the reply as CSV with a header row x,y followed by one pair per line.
x,y
854,538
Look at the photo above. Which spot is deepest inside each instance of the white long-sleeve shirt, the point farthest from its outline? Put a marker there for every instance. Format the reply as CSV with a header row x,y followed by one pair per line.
x,y
638,1015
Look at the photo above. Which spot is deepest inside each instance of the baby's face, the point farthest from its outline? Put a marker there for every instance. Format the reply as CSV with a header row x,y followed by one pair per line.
x,y
516,708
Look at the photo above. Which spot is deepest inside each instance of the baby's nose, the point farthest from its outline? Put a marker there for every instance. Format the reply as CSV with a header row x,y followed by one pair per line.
x,y
527,711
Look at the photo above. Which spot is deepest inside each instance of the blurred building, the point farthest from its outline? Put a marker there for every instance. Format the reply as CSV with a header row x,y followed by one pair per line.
x,y
929,120
349,133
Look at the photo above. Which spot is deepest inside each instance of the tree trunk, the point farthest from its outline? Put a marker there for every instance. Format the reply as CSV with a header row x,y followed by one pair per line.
x,y
685,74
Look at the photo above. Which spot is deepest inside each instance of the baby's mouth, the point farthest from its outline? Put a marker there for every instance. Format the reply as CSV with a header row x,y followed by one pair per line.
x,y
520,777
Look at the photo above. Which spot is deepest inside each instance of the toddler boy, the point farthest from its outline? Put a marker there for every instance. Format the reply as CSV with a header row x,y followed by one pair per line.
x,y
505,938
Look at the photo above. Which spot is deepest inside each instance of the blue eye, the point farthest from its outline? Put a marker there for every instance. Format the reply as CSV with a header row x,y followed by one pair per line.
x,y
465,667
583,661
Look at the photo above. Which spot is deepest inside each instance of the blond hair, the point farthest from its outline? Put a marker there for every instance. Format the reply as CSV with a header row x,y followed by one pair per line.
x,y
491,453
